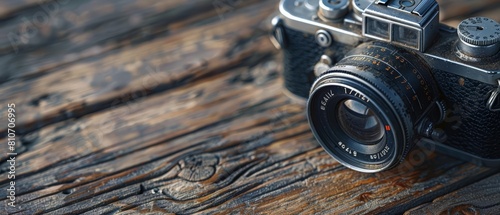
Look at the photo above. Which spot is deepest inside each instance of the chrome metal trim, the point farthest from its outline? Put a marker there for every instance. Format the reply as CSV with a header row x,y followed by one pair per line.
x,y
493,98
302,19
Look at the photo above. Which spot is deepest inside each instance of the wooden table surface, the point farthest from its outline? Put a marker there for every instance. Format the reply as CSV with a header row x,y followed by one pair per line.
x,y
153,107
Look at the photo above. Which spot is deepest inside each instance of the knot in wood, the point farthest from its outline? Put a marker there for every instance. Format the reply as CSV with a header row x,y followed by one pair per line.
x,y
198,167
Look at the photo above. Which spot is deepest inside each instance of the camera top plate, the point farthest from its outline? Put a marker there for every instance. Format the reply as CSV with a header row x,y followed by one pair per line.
x,y
417,7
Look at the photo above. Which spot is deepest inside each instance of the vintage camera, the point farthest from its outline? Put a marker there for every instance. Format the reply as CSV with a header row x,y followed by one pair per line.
x,y
382,75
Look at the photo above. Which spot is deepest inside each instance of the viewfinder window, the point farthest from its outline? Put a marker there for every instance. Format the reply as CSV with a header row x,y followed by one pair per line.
x,y
377,28
405,36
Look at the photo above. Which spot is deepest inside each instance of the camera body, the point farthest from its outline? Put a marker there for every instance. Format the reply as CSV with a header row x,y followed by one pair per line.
x,y
381,75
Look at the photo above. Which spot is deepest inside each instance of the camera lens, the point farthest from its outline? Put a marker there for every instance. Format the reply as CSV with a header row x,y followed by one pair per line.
x,y
359,122
364,109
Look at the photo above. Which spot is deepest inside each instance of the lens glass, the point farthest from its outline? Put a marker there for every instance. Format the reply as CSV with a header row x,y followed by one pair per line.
x,y
359,122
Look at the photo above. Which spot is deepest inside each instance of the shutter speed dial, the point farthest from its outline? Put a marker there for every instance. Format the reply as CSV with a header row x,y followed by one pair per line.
x,y
479,37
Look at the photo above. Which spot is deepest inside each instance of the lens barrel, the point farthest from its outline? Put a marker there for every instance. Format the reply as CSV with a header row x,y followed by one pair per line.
x,y
364,109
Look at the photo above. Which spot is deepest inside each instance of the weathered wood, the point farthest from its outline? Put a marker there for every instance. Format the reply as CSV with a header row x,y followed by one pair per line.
x,y
52,26
192,121
237,156
460,8
9,7
97,133
482,197
490,12
232,164
45,37
100,42
158,65
173,122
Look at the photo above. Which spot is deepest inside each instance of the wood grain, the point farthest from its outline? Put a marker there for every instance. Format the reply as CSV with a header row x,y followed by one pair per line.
x,y
229,160
10,7
49,36
184,112
464,8
482,197
490,12
136,72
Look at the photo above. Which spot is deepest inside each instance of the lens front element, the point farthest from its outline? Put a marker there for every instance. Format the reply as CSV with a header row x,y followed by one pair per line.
x,y
359,122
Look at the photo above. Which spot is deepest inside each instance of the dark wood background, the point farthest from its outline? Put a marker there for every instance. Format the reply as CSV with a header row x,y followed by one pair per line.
x,y
154,107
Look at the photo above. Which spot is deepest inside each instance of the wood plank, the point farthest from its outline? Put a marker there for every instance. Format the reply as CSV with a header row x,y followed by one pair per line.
x,y
490,12
41,39
196,156
72,107
168,126
9,7
482,197
105,131
55,57
219,137
136,72
458,8
246,159
64,38
158,69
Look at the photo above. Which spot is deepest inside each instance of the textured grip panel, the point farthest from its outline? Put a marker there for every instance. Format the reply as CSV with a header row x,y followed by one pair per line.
x,y
470,126
301,54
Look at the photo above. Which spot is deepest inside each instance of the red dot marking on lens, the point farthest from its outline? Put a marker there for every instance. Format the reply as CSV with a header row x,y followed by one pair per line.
x,y
387,128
